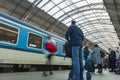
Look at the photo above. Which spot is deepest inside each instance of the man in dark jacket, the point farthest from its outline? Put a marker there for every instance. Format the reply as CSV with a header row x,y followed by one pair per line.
x,y
75,36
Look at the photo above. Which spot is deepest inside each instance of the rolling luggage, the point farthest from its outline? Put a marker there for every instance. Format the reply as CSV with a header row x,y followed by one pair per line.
x,y
89,66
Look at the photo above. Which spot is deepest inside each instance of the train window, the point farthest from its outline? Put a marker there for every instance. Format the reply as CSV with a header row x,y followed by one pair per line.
x,y
8,34
34,41
63,48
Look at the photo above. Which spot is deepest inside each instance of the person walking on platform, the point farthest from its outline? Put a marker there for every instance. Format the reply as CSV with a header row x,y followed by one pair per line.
x,y
50,51
97,59
75,36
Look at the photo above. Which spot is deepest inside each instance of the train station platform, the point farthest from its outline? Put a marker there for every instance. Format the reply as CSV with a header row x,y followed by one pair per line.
x,y
58,75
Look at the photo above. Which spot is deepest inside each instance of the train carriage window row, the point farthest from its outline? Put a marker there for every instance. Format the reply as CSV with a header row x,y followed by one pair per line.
x,y
8,34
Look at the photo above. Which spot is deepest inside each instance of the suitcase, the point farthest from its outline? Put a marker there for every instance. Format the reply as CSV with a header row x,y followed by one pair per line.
x,y
89,66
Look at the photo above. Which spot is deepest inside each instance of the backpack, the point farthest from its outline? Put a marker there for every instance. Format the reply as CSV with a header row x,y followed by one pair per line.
x,y
102,54
50,47
68,50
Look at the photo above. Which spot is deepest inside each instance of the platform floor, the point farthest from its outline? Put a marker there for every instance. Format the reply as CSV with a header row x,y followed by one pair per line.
x,y
58,75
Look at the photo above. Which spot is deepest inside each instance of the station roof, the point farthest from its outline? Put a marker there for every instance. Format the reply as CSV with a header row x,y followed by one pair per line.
x,y
55,16
91,16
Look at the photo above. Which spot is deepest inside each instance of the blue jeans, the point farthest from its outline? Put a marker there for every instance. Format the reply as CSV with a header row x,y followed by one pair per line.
x,y
77,63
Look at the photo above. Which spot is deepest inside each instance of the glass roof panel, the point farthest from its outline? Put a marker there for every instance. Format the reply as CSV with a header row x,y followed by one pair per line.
x,y
67,9
90,15
57,1
54,10
75,1
82,4
94,1
48,6
58,14
42,3
62,5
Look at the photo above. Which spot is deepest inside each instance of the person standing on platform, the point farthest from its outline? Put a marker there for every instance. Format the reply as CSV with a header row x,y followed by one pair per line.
x,y
75,36
97,59
50,51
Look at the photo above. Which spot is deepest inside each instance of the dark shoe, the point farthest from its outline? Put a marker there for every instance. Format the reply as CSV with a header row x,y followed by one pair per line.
x,y
71,79
98,71
111,71
44,74
101,72
51,73
74,79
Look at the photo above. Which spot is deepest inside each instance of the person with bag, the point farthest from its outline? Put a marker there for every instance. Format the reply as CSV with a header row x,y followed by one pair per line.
x,y
75,36
51,48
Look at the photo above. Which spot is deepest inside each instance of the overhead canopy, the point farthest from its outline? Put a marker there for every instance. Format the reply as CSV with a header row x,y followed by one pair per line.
x,y
91,16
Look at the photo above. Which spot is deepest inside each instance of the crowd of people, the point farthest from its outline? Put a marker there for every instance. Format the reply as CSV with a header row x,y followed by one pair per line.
x,y
99,58
104,59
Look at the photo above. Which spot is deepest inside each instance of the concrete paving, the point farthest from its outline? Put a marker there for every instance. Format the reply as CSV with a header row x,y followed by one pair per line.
x,y
58,75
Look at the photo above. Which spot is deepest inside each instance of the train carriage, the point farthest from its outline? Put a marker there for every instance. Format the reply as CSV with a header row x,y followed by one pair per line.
x,y
22,46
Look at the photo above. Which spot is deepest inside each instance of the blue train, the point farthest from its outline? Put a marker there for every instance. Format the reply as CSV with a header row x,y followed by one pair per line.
x,y
22,46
